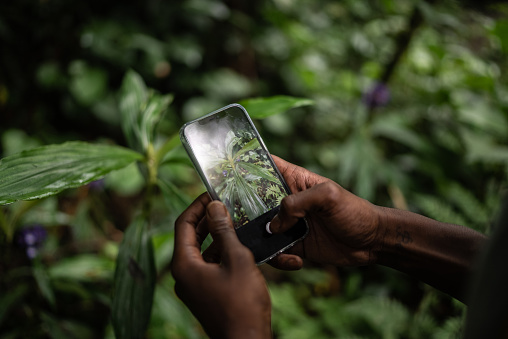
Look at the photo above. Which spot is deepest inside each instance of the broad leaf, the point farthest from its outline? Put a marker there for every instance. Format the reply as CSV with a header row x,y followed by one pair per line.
x,y
133,97
47,170
42,280
260,108
141,110
175,198
258,171
84,267
249,199
251,145
135,278
154,111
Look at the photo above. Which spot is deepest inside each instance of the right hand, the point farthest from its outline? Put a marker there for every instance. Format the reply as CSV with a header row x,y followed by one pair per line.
x,y
343,227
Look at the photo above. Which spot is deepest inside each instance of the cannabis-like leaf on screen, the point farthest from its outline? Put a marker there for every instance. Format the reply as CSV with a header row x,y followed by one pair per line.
x,y
243,177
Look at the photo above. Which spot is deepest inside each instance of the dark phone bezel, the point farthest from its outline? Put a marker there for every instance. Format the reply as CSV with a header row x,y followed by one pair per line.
x,y
263,245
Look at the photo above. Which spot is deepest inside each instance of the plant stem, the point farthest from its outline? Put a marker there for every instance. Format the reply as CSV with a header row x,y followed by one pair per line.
x,y
152,165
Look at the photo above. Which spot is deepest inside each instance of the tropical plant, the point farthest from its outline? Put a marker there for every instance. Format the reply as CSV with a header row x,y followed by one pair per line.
x,y
242,175
409,111
48,170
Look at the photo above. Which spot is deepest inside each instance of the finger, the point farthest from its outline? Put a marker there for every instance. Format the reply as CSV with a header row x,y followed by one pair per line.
x,y
201,231
297,178
299,205
287,262
292,208
212,253
187,246
287,170
220,225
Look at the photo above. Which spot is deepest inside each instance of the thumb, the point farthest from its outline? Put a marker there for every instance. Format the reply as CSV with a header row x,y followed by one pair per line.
x,y
299,205
291,209
223,233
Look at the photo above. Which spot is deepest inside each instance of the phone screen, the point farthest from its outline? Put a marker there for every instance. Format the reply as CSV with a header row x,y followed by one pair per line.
x,y
234,165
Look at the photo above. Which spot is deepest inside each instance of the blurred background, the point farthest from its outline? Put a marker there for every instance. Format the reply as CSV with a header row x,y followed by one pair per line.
x,y
410,111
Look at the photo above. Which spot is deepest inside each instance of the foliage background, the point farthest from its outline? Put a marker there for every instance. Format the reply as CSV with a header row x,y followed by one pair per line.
x,y
438,147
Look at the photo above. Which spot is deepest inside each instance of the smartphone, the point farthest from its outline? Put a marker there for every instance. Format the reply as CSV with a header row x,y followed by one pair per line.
x,y
237,169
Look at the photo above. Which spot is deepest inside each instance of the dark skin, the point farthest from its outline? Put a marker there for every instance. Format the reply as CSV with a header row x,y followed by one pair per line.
x,y
229,299
344,230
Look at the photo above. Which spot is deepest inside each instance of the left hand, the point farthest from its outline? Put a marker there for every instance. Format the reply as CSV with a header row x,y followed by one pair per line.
x,y
229,299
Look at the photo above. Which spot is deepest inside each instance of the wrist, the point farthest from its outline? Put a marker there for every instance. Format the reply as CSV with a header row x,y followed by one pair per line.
x,y
249,333
378,246
255,325
396,245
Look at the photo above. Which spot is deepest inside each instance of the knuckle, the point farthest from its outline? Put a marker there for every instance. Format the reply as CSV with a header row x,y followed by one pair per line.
x,y
286,204
330,191
222,228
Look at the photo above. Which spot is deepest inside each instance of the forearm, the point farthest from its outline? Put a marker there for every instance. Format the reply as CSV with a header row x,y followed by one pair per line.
x,y
437,253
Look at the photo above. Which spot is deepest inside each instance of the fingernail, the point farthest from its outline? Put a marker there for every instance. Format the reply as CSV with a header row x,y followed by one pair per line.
x,y
216,210
274,225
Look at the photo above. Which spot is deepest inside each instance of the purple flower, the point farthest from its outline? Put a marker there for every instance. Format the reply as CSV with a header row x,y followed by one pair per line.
x,y
225,173
31,252
378,95
31,239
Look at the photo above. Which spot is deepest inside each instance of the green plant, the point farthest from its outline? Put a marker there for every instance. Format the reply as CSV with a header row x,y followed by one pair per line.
x,y
48,170
437,147
241,173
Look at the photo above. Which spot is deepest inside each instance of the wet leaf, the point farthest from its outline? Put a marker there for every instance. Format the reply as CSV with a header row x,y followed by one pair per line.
x,y
47,170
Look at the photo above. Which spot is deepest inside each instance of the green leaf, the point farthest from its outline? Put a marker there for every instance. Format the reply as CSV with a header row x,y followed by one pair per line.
x,y
11,298
251,145
155,109
259,171
88,84
133,97
249,199
175,198
439,209
47,170
260,108
58,328
141,110
85,267
135,277
42,279
397,128
388,317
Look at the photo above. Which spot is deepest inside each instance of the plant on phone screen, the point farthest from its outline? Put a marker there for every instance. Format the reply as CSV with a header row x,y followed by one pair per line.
x,y
241,175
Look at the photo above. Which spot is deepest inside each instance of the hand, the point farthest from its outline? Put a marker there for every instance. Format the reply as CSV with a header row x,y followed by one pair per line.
x,y
346,230
229,299
343,227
